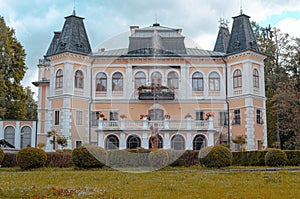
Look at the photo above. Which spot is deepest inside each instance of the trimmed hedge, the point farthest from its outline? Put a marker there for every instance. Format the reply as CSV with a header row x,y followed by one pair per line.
x,y
29,158
249,158
183,158
89,157
158,158
62,160
1,155
128,158
9,160
215,156
275,158
293,158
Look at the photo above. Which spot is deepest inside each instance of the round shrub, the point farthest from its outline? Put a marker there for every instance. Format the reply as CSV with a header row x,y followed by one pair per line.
x,y
29,158
275,158
1,155
89,157
215,156
159,158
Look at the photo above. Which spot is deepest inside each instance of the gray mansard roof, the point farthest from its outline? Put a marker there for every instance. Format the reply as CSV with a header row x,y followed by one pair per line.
x,y
157,40
190,52
242,37
72,38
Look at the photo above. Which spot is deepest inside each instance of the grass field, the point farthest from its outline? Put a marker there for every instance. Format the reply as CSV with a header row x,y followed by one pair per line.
x,y
68,183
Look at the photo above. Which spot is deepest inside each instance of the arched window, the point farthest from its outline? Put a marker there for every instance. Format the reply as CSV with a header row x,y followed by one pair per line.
x,y
255,78
101,82
237,79
214,81
117,82
25,137
177,142
140,79
173,80
59,79
111,142
199,142
156,78
197,81
160,142
9,135
78,79
133,142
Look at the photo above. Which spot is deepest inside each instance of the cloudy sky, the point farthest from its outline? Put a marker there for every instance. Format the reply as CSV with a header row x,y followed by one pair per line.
x,y
35,20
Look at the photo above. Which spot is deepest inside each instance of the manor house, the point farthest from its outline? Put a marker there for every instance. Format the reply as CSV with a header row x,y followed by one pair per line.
x,y
118,98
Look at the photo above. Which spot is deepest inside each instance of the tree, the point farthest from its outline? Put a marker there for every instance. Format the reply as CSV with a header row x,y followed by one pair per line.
x,y
2,95
273,43
31,105
13,68
57,139
241,140
286,103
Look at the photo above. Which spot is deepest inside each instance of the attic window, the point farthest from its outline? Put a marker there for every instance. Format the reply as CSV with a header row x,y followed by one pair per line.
x,y
79,45
252,44
236,45
62,45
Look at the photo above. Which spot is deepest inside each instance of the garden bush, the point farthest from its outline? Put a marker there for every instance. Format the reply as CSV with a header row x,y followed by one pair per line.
x,y
9,160
1,155
249,158
215,156
127,158
29,158
293,157
275,158
89,157
158,158
62,160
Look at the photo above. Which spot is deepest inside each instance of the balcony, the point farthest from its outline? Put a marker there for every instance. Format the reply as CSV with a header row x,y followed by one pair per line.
x,y
155,93
161,125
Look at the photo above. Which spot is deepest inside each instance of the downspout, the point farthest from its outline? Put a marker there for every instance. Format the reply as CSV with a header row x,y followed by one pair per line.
x,y
36,127
227,101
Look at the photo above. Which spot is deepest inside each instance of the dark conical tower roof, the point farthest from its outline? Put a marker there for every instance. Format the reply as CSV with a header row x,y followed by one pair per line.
x,y
221,44
242,37
72,38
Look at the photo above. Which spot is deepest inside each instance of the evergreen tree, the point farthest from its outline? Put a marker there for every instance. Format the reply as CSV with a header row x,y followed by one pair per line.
x,y
31,105
13,69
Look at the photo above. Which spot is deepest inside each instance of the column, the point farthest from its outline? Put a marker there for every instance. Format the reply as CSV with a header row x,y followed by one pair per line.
x,y
211,138
167,141
144,141
1,130
122,141
189,143
100,139
17,135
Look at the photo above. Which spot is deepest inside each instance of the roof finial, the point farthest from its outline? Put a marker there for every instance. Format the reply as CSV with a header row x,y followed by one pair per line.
x,y
74,8
241,10
223,23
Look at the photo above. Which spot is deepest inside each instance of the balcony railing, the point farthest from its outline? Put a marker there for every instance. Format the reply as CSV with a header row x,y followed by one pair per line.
x,y
155,93
161,125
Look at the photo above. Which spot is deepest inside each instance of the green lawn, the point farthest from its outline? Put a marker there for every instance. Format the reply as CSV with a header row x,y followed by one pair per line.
x,y
68,183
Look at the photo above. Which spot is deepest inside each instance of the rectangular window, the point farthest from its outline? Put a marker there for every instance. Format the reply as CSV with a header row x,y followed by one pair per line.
x,y
79,118
199,115
93,119
259,145
56,119
237,117
223,119
258,117
78,143
113,117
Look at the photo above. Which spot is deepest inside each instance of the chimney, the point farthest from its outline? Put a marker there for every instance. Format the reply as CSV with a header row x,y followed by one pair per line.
x,y
133,28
